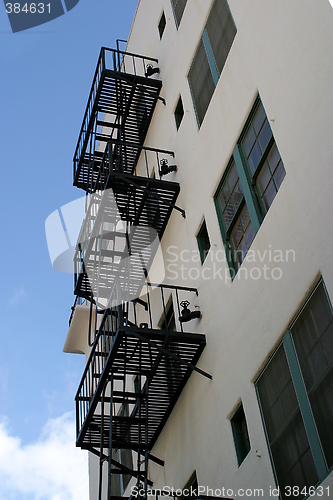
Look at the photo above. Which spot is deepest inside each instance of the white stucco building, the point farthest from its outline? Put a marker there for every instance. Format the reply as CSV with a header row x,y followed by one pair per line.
x,y
247,112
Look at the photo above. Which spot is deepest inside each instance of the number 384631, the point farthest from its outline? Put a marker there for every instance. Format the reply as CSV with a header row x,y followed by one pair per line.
x,y
28,8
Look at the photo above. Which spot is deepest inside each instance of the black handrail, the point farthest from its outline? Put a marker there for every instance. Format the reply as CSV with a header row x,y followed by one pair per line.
x,y
117,64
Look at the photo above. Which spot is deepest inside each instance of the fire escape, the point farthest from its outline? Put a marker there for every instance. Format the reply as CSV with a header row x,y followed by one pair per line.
x,y
139,363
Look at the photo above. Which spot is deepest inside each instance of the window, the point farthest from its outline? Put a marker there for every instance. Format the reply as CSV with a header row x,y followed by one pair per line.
x,y
240,433
162,24
262,157
295,392
178,9
179,112
192,487
167,321
237,226
251,180
203,242
211,55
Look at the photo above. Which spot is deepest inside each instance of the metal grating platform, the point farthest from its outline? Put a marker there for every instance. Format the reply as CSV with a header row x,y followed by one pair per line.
x,y
120,106
136,351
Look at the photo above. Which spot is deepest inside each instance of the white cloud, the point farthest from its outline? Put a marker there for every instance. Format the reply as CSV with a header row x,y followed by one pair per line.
x,y
19,292
51,468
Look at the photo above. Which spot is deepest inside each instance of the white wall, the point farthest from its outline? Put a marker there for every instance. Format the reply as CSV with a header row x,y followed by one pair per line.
x,y
283,50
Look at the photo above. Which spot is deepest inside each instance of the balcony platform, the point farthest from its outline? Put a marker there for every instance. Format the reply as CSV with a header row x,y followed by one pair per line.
x,y
143,203
120,106
165,358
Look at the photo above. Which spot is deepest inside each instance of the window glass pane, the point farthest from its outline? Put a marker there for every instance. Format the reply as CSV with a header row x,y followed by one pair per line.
x,y
237,195
237,234
221,32
245,216
228,214
178,7
249,141
241,244
273,157
284,425
233,177
279,175
259,118
249,235
264,178
224,196
273,168
269,195
264,136
230,202
201,82
254,158
313,338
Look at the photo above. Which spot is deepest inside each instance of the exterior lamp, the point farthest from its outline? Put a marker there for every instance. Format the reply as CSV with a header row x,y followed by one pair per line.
x,y
165,168
150,71
186,314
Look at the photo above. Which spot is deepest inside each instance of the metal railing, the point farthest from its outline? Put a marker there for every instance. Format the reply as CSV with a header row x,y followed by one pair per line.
x,y
123,157
115,160
79,301
116,316
114,60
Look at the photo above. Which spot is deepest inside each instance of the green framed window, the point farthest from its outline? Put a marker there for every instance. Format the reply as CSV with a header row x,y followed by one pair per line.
x,y
203,242
240,434
210,57
262,157
248,187
295,392
234,216
178,7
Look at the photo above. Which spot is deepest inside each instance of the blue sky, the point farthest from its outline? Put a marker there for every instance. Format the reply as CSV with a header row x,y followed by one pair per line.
x,y
45,78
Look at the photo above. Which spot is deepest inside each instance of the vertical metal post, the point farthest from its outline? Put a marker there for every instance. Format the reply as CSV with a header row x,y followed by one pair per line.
x,y
177,299
110,438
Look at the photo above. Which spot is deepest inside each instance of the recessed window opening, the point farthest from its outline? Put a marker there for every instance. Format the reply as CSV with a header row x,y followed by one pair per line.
x,y
203,242
241,435
161,25
179,112
178,9
211,55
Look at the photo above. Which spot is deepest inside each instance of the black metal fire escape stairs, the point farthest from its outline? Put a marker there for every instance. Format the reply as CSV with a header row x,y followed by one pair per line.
x,y
114,168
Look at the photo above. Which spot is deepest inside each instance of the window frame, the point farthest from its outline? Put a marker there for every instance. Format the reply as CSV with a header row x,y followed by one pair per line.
x,y
214,70
247,200
252,178
308,419
174,13
251,196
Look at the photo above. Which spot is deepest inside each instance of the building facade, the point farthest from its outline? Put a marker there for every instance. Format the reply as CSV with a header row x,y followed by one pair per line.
x,y
213,129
